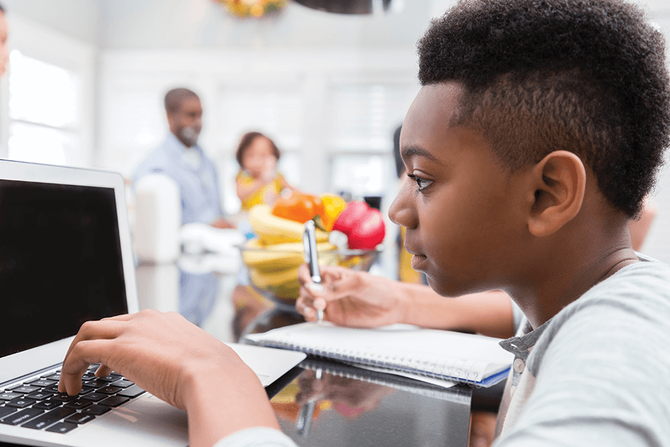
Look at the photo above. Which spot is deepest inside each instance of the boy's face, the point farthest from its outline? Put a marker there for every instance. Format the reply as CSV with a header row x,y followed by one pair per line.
x,y
463,212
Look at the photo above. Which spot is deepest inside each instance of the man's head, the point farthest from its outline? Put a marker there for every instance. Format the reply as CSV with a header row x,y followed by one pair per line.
x,y
184,114
4,51
585,76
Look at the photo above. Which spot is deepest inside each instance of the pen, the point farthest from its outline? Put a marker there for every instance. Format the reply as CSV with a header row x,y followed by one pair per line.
x,y
312,258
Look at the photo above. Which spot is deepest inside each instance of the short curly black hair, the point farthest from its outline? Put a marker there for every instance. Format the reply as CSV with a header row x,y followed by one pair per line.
x,y
587,76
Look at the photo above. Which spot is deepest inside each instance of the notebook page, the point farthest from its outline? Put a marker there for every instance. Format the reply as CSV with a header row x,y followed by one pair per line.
x,y
441,354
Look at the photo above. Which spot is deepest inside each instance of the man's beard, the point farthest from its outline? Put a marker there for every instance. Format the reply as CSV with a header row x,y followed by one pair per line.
x,y
189,135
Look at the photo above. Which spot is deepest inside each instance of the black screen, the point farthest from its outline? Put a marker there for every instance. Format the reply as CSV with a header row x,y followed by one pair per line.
x,y
60,261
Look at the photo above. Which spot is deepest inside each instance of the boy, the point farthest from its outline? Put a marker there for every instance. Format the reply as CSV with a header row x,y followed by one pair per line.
x,y
535,137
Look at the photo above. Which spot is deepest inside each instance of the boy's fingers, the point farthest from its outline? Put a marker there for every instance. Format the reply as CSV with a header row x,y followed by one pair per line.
x,y
316,289
319,304
103,371
305,307
82,354
108,328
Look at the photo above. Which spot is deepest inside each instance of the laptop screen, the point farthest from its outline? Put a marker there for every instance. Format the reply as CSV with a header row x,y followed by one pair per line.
x,y
60,261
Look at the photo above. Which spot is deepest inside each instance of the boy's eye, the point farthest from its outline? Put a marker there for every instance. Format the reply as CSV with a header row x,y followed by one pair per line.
x,y
421,182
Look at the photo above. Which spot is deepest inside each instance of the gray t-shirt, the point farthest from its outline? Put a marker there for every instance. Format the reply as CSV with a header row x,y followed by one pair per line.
x,y
597,373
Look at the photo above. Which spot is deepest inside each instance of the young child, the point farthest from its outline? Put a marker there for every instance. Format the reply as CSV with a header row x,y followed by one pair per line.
x,y
258,180
535,137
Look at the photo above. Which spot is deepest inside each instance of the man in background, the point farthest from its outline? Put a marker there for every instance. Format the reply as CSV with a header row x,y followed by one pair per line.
x,y
182,159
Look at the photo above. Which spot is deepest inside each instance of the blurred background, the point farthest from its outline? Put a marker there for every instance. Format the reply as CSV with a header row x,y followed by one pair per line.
x,y
87,79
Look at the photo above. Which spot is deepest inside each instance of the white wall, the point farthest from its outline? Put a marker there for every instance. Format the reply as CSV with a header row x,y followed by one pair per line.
x,y
132,85
55,47
154,24
75,18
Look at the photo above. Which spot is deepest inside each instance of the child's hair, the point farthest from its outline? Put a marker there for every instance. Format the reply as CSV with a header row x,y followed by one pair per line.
x,y
587,76
246,141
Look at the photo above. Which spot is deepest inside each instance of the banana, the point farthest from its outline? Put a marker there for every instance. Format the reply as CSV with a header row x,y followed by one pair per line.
x,y
276,230
268,258
273,279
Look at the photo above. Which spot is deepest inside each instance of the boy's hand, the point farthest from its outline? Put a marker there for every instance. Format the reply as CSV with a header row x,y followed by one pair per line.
x,y
177,362
153,349
350,298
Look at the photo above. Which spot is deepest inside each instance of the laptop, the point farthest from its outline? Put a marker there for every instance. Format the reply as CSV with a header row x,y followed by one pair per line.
x,y
65,258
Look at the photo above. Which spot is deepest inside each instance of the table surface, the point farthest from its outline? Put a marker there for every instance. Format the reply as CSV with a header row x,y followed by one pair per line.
x,y
319,403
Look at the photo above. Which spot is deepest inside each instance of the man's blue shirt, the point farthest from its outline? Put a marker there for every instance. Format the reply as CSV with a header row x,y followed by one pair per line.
x,y
198,185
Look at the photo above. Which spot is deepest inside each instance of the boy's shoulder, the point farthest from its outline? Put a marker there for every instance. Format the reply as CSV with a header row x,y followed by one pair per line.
x,y
630,302
641,290
602,354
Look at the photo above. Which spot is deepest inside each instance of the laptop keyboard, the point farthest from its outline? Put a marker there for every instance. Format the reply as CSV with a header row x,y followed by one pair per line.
x,y
37,404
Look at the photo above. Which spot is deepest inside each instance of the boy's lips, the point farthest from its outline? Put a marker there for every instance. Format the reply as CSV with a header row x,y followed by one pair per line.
x,y
418,261
411,249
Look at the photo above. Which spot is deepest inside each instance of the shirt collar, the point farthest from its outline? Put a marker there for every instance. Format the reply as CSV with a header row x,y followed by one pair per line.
x,y
177,146
521,345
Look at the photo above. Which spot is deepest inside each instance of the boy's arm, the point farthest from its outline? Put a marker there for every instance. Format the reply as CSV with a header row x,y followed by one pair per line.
x,y
359,299
177,362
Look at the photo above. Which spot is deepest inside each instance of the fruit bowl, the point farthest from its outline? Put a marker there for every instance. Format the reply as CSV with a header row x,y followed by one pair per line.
x,y
273,269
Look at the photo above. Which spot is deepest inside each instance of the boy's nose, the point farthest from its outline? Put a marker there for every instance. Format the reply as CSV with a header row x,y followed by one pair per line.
x,y
401,211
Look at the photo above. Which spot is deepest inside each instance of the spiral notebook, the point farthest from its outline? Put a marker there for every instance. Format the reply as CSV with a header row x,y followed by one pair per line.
x,y
423,354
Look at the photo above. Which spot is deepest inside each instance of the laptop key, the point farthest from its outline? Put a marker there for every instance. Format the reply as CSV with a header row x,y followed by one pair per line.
x,y
133,391
62,427
96,410
48,404
95,396
123,383
110,378
80,418
49,418
86,389
40,395
21,416
96,383
4,411
78,404
9,396
114,401
109,390
20,402
43,382
64,397
24,389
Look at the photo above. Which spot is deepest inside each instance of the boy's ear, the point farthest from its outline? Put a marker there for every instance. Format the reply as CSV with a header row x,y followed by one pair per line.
x,y
559,182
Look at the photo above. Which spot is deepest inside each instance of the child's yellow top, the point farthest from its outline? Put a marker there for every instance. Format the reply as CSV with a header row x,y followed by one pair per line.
x,y
273,189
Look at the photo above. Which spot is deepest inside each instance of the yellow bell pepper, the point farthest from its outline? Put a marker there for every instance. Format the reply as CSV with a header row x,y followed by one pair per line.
x,y
333,205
